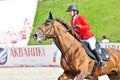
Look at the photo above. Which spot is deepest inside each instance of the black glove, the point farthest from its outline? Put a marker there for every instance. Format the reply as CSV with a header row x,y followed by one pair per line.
x,y
76,26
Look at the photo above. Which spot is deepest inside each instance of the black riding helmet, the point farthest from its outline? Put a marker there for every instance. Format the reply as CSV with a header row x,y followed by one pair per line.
x,y
72,7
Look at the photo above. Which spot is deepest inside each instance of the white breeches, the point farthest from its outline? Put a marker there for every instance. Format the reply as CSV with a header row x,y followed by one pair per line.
x,y
91,41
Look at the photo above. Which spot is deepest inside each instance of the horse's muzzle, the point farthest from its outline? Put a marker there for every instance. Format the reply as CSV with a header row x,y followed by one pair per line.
x,y
39,37
35,36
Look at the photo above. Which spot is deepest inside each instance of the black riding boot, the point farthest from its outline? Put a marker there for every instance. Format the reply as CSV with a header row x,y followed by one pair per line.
x,y
99,58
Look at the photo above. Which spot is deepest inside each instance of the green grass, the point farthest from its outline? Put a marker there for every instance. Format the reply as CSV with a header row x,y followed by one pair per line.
x,y
103,16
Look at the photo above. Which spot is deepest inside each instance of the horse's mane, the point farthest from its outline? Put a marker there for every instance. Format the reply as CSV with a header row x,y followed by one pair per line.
x,y
66,26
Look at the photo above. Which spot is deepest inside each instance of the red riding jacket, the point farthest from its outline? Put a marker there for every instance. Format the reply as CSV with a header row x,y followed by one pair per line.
x,y
84,30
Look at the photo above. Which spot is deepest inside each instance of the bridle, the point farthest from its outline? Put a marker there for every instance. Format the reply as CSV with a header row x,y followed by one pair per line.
x,y
45,33
50,29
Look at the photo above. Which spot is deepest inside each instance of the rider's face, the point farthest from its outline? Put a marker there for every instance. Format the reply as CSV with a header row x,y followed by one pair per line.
x,y
71,13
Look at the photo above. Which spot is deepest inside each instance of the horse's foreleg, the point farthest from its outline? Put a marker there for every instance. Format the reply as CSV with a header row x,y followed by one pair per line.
x,y
119,73
81,76
67,75
94,78
114,75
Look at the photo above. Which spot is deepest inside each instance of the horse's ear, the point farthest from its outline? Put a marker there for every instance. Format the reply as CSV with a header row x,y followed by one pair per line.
x,y
50,16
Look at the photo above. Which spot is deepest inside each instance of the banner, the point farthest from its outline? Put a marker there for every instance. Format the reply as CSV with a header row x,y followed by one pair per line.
x,y
111,45
16,20
30,56
41,55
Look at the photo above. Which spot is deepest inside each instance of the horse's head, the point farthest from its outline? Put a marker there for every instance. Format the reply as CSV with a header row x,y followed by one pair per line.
x,y
47,30
50,29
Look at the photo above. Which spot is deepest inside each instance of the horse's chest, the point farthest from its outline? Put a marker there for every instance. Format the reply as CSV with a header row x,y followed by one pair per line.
x,y
65,63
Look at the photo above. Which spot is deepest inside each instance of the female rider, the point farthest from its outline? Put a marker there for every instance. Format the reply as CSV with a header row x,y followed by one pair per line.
x,y
82,28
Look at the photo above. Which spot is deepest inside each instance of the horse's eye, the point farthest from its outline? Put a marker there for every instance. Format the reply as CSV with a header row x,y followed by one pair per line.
x,y
47,24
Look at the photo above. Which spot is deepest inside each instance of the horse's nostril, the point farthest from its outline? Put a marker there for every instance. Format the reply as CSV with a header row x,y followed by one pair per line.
x,y
34,35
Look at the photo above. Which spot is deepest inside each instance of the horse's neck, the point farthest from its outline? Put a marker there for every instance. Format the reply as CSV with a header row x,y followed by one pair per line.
x,y
65,40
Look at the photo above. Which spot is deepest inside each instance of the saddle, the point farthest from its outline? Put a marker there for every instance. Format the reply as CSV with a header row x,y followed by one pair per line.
x,y
104,53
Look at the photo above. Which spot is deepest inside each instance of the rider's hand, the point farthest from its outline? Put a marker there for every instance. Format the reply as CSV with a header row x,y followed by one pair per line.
x,y
76,26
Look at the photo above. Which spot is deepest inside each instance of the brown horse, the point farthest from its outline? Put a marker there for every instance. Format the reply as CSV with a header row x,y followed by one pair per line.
x,y
74,60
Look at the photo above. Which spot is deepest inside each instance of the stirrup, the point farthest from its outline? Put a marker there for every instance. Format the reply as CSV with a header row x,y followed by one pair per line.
x,y
102,66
